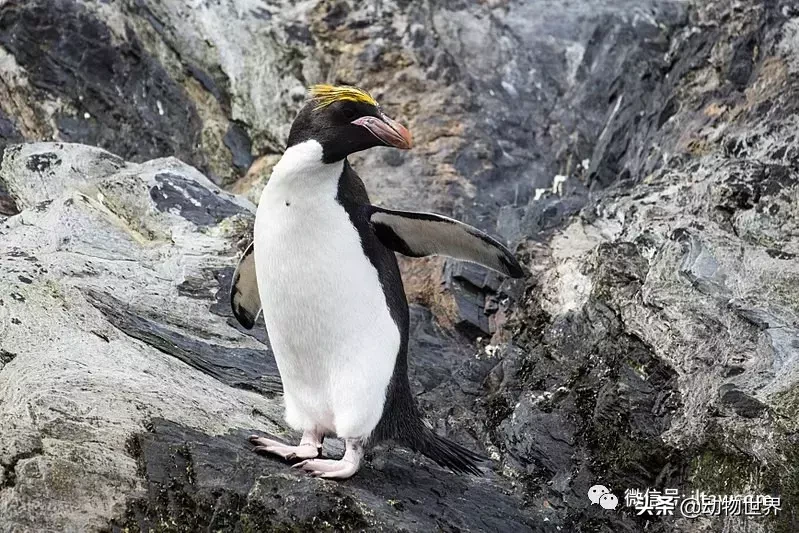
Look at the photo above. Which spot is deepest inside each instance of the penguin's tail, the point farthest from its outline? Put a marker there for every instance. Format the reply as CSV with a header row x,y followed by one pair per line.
x,y
402,423
447,453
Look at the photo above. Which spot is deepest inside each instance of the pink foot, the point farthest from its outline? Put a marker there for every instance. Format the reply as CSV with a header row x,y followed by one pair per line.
x,y
328,468
310,446
289,453
342,468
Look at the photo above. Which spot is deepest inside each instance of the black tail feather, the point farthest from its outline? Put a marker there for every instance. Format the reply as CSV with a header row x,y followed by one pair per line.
x,y
402,423
449,454
410,431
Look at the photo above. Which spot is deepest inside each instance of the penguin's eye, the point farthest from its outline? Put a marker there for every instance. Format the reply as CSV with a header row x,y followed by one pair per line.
x,y
349,112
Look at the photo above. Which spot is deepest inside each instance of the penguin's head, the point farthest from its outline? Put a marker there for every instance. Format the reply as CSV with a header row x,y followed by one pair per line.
x,y
345,120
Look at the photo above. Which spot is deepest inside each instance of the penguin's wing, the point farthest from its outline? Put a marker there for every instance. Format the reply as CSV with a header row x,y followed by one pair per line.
x,y
244,298
419,234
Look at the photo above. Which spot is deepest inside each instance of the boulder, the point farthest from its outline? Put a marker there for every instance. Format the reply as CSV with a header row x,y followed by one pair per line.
x,y
128,390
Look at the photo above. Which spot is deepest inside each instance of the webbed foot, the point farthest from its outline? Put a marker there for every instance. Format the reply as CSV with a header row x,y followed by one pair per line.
x,y
289,453
342,468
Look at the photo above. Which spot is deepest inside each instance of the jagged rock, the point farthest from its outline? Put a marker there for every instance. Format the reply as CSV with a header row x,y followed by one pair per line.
x,y
641,155
210,482
127,390
661,325
217,84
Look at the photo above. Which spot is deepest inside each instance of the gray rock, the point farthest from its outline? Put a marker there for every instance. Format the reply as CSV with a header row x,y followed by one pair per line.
x,y
662,326
640,156
215,482
127,392
97,341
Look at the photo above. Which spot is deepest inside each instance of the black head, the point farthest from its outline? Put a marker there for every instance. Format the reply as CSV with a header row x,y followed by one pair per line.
x,y
345,120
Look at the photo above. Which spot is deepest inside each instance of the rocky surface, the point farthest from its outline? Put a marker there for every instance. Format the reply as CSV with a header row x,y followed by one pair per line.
x,y
511,89
127,389
642,157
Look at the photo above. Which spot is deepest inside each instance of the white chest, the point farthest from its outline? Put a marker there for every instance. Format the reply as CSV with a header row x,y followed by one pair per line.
x,y
323,304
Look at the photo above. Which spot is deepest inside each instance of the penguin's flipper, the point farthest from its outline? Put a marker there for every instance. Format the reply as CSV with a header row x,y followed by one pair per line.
x,y
244,298
419,234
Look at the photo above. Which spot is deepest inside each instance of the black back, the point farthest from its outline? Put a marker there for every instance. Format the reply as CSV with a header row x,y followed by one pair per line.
x,y
399,404
401,420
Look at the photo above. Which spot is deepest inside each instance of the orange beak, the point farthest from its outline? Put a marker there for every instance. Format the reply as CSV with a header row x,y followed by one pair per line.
x,y
387,130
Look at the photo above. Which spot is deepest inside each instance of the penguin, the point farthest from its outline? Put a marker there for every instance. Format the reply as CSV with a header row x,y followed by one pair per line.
x,y
323,271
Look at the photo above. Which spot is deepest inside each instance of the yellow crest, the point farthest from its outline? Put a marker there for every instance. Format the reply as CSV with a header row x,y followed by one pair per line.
x,y
324,95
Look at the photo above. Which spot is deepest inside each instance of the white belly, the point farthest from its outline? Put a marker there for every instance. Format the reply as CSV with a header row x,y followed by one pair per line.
x,y
331,331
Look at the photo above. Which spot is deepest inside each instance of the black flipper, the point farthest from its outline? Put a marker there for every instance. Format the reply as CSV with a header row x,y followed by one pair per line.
x,y
419,234
244,298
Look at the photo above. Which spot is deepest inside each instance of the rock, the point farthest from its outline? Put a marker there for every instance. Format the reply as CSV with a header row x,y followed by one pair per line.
x,y
93,330
653,350
214,482
127,390
640,157
217,84
108,92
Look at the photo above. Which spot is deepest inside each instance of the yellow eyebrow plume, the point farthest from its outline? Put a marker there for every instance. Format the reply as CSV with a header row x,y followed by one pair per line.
x,y
324,95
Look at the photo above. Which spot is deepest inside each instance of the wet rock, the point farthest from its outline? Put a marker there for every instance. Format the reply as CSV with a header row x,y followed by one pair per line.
x,y
216,482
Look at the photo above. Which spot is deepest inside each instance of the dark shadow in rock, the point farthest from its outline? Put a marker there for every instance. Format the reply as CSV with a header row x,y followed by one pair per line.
x,y
473,286
432,354
742,403
238,142
124,101
192,201
8,135
243,368
8,131
8,206
216,483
